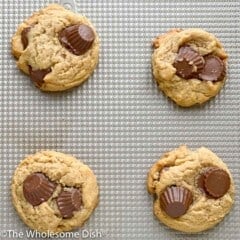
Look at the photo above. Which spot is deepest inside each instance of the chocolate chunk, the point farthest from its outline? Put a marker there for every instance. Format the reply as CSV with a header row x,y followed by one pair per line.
x,y
37,188
188,62
69,201
37,76
175,201
24,36
213,70
77,38
216,182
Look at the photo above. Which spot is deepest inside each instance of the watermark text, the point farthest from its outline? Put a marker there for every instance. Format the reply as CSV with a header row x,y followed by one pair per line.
x,y
29,234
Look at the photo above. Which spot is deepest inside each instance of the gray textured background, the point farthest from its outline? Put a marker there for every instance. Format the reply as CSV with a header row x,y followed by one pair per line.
x,y
118,122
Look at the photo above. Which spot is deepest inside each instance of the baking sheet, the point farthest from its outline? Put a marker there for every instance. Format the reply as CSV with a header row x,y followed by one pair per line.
x,y
118,122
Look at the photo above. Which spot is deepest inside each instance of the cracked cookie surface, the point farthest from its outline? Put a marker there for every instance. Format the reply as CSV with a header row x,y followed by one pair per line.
x,y
63,69
67,172
182,167
192,91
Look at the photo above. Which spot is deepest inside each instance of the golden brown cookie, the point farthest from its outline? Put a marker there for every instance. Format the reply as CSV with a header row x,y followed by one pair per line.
x,y
193,190
54,192
189,65
57,48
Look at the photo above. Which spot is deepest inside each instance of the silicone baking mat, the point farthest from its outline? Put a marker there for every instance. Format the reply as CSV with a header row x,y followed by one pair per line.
x,y
118,122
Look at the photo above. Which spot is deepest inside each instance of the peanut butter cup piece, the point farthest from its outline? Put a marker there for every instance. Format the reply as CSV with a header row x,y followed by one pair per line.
x,y
188,62
216,182
69,201
175,201
24,36
78,39
213,70
37,188
201,179
37,76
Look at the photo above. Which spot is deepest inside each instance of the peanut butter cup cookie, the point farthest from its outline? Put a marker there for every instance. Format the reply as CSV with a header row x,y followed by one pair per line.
x,y
193,190
57,48
54,192
189,65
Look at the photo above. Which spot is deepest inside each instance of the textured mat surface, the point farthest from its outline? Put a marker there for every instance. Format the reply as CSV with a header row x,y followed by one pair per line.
x,y
118,122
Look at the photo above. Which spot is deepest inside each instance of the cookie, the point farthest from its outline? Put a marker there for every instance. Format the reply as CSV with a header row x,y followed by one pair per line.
x,y
193,190
57,48
54,192
189,65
